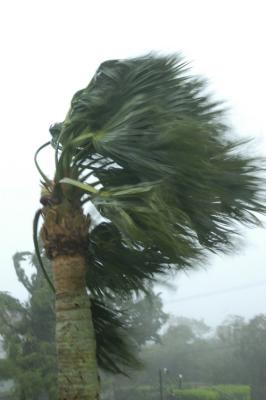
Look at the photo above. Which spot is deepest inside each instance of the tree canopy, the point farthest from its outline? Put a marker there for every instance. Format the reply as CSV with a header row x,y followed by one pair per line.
x,y
149,148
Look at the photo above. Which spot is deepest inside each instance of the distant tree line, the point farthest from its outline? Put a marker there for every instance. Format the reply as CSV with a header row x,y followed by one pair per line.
x,y
235,354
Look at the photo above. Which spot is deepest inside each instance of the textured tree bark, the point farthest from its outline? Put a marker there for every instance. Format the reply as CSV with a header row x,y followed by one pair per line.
x,y
64,234
76,350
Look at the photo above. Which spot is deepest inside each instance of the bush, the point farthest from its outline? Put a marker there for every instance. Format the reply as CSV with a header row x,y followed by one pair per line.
x,y
233,392
194,394
220,392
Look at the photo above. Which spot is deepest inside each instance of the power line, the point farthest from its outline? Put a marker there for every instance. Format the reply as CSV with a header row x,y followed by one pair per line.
x,y
218,292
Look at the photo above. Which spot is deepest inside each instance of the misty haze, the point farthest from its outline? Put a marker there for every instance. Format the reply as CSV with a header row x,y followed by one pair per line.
x,y
133,200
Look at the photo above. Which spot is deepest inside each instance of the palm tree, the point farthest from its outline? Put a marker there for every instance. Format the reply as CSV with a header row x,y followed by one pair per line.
x,y
147,147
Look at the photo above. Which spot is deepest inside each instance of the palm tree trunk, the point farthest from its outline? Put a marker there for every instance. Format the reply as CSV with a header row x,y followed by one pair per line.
x,y
65,233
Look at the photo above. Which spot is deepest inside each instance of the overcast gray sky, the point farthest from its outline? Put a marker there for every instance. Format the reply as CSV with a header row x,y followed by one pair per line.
x,y
50,49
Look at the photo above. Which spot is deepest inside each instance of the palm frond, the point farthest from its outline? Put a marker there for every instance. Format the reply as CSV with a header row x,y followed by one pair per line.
x,y
116,349
114,267
145,219
148,122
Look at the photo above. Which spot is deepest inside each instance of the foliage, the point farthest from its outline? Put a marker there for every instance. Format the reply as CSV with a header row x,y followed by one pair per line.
x,y
124,324
247,341
194,394
166,177
233,354
6,369
145,317
233,392
142,392
28,333
252,349
222,392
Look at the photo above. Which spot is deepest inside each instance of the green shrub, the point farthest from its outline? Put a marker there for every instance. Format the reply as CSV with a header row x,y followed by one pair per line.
x,y
233,392
194,394
220,392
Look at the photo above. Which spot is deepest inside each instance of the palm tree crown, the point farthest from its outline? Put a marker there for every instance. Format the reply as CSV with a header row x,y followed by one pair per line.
x,y
169,177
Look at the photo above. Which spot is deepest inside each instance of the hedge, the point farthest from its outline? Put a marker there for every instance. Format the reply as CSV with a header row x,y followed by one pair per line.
x,y
233,392
220,392
194,394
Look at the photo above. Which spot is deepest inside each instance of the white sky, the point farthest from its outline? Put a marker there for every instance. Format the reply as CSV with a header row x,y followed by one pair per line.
x,y
50,49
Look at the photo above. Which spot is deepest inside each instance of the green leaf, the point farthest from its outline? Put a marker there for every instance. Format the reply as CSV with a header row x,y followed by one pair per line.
x,y
83,186
129,190
45,178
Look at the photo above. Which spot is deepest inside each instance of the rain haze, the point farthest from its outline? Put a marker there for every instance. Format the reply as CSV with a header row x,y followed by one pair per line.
x,y
51,49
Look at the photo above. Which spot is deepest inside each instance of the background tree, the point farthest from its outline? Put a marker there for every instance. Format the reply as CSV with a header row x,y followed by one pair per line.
x,y
252,350
144,317
168,180
28,332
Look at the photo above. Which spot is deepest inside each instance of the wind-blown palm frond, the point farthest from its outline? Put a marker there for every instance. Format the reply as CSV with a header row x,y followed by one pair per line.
x,y
116,267
145,121
116,350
